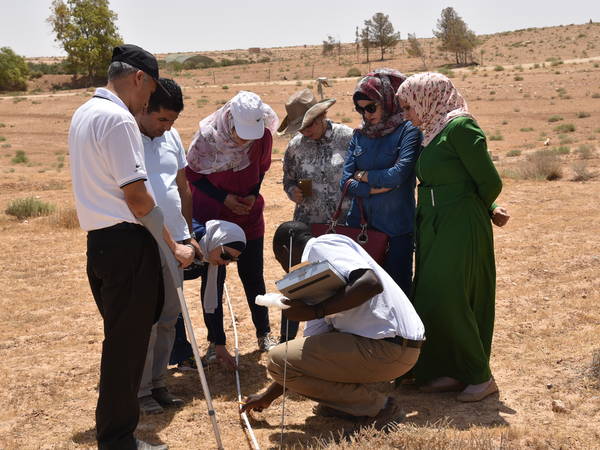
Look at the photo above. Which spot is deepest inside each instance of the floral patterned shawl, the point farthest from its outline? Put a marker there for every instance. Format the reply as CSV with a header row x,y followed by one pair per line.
x,y
434,100
213,148
380,86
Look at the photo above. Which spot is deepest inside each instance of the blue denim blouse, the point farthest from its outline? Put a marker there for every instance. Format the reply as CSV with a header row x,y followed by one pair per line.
x,y
390,162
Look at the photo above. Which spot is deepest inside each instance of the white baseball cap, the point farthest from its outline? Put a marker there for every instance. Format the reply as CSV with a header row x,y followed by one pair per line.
x,y
248,115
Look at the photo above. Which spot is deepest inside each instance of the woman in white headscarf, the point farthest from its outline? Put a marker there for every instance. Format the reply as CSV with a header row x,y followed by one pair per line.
x,y
222,243
227,161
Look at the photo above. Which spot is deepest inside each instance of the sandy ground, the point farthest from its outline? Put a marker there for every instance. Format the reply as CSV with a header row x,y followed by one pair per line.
x,y
548,261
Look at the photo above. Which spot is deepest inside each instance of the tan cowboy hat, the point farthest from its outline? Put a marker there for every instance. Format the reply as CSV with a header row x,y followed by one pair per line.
x,y
315,111
296,106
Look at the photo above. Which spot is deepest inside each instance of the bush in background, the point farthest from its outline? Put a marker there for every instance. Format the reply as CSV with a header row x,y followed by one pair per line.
x,y
13,71
24,208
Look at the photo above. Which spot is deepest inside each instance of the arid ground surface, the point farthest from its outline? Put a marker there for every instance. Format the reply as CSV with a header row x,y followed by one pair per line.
x,y
546,354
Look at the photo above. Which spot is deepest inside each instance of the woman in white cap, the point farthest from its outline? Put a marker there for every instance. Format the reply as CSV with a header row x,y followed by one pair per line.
x,y
227,161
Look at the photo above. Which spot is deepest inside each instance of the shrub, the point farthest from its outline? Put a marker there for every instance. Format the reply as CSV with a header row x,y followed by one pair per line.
x,y
541,165
595,95
28,207
512,153
496,137
65,218
2,138
583,114
225,87
580,170
565,128
2,125
353,72
554,118
20,157
585,151
518,78
346,119
499,68
526,130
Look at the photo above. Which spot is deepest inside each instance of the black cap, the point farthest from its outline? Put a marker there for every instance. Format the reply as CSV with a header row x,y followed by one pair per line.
x,y
140,59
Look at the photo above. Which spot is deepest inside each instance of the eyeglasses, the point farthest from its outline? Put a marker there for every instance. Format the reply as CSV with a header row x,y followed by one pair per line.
x,y
370,108
227,256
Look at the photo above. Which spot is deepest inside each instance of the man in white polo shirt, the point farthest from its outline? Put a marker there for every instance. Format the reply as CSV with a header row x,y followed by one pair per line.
x,y
367,332
123,262
165,163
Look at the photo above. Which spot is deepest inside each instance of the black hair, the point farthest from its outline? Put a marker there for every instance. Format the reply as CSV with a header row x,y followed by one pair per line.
x,y
160,99
300,235
360,96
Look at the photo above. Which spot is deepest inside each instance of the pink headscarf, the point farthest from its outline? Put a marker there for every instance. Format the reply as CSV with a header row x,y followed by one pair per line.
x,y
213,148
434,100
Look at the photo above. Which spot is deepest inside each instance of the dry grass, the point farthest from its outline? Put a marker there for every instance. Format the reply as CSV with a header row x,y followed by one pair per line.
x,y
64,218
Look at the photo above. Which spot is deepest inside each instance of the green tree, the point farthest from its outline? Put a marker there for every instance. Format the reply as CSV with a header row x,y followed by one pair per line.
x,y
329,45
366,37
87,32
456,36
415,50
13,71
381,32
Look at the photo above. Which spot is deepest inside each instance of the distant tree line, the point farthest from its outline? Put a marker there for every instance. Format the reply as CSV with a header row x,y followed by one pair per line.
x,y
378,33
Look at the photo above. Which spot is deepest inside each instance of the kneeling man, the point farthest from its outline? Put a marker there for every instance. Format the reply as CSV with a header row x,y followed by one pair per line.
x,y
367,332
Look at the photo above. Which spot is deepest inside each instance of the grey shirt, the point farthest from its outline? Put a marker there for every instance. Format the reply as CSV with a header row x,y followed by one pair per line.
x,y
322,162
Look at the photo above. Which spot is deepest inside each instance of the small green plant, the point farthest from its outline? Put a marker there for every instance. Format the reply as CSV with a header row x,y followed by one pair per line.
x,y
595,95
220,102
346,119
353,72
2,138
201,102
2,125
28,207
225,87
20,157
583,114
512,153
565,128
518,78
19,99
554,118
526,130
499,68
6,146
298,83
562,150
497,136
564,139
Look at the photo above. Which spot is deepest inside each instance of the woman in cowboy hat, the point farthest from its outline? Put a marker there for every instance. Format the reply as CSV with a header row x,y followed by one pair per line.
x,y
316,156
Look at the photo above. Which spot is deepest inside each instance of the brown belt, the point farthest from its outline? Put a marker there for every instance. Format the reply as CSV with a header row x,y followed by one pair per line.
x,y
403,341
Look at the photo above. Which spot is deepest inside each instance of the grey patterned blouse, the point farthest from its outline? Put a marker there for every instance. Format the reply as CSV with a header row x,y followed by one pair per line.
x,y
321,161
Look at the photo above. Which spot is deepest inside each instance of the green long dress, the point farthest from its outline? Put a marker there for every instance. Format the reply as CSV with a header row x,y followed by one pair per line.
x,y
455,276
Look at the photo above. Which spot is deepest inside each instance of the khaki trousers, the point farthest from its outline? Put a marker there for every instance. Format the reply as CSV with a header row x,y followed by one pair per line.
x,y
333,369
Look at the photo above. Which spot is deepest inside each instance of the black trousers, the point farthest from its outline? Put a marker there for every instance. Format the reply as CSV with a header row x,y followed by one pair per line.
x,y
124,271
250,271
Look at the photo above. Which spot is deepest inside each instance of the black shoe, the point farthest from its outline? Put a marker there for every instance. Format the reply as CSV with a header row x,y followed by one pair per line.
x,y
165,398
149,406
141,445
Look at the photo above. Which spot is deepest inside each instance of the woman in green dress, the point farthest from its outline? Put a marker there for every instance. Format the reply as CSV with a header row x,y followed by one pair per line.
x,y
455,276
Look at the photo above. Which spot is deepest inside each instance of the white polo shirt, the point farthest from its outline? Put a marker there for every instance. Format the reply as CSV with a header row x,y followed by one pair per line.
x,y
106,153
164,157
385,315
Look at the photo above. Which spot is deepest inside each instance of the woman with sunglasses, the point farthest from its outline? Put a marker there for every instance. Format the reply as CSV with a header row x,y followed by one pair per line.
x,y
221,243
380,162
227,161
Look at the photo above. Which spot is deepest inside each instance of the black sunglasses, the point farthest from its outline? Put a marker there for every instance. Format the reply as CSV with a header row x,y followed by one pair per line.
x,y
226,256
370,108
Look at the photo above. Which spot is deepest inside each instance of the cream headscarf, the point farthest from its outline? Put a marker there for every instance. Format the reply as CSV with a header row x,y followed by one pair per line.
x,y
218,232
434,100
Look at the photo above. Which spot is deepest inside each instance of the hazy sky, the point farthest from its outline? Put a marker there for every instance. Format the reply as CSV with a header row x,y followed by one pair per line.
x,y
195,25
